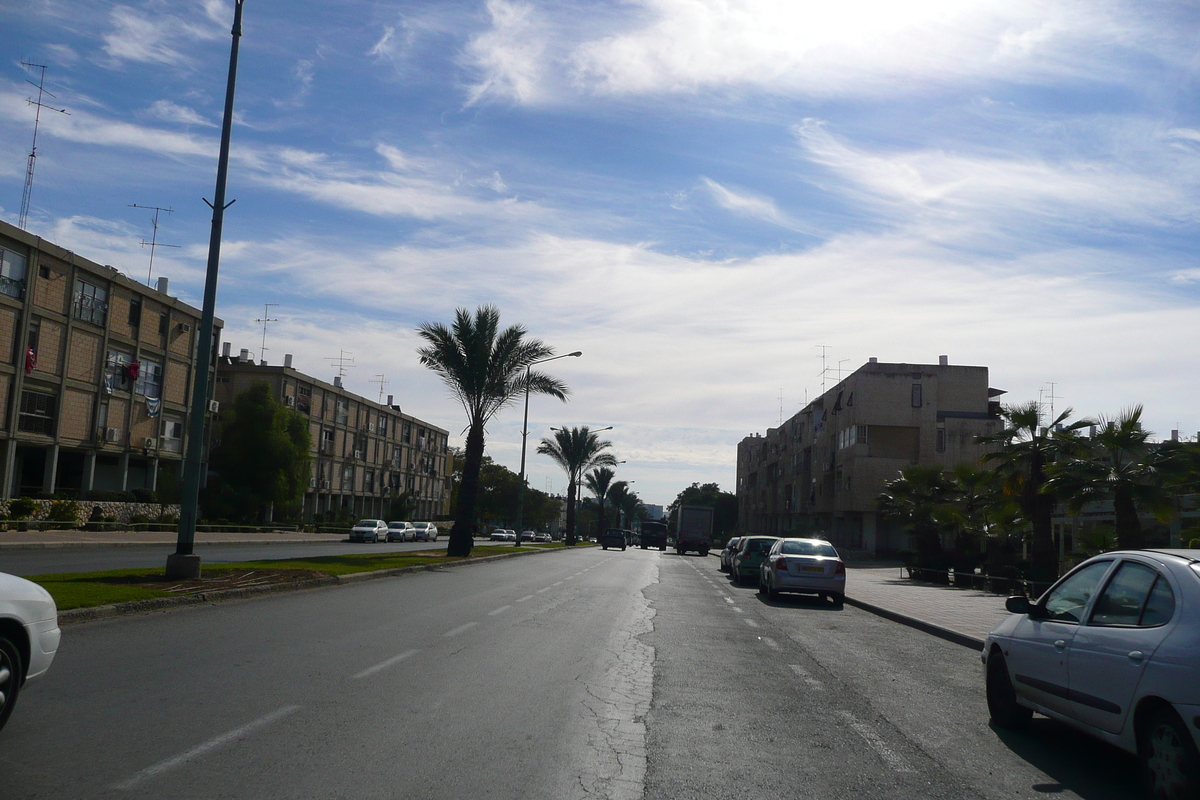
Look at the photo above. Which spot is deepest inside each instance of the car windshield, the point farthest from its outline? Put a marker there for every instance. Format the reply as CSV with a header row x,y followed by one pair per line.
x,y
365,523
759,545
807,549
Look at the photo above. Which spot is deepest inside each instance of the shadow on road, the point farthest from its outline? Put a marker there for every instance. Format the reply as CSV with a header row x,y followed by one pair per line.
x,y
1077,763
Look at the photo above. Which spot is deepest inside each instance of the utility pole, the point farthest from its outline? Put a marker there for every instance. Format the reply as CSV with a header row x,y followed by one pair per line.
x,y
184,563
153,243
266,317
37,119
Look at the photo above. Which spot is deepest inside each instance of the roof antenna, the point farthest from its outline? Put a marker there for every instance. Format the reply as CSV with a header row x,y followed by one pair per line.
x,y
265,319
343,361
383,382
153,243
37,119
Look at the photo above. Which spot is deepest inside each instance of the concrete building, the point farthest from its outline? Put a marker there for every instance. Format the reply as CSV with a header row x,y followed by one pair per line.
x,y
95,373
822,469
364,454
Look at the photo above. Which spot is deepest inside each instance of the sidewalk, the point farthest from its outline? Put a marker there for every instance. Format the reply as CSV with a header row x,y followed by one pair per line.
x,y
963,616
14,540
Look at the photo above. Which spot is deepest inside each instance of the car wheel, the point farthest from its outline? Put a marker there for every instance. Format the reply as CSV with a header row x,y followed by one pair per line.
x,y
735,577
1002,703
772,592
662,548
644,547
10,678
838,598
1169,760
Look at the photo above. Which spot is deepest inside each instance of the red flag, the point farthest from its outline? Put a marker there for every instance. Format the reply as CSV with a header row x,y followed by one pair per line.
x,y
132,370
30,360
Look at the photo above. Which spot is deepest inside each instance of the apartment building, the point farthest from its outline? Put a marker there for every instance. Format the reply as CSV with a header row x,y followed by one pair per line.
x,y
95,373
364,454
822,469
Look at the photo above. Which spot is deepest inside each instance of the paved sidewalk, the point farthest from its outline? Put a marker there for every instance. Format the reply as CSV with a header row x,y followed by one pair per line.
x,y
964,616
74,538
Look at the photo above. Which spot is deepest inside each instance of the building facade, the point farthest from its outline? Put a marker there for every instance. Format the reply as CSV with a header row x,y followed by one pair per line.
x,y
822,469
95,374
364,454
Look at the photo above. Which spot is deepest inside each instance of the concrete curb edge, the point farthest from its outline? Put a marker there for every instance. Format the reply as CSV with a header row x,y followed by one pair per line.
x,y
949,635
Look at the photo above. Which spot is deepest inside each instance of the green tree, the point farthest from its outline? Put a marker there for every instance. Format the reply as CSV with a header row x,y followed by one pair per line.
x,y
977,505
576,450
485,369
723,504
1023,450
921,499
1122,466
627,503
598,482
262,461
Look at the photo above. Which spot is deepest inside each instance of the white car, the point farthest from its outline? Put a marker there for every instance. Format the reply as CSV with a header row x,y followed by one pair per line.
x,y
29,636
543,537
369,530
1112,649
401,532
498,535
426,532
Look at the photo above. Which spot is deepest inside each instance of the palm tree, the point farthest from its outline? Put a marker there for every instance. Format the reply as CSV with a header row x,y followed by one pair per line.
x,y
599,482
576,450
625,501
1121,466
1024,450
486,370
921,498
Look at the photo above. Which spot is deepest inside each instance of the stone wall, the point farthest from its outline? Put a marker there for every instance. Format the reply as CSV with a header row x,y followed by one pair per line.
x,y
117,512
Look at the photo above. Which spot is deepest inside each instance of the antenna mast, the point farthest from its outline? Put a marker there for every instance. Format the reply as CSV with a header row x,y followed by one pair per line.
x,y
383,382
824,368
153,243
37,119
343,361
266,317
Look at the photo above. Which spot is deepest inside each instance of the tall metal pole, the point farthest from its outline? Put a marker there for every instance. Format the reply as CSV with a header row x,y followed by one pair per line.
x,y
184,563
524,436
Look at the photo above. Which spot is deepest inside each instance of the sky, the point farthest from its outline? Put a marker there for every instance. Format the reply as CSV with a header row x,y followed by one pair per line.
x,y
722,203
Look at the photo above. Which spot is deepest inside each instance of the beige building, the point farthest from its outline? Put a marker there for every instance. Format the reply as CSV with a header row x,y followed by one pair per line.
x,y
822,469
95,373
364,454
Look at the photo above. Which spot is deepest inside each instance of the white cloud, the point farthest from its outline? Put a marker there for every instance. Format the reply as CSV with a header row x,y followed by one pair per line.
x,y
510,55
173,112
62,54
146,36
747,204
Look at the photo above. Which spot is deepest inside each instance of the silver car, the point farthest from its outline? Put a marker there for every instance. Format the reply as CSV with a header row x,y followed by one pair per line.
x,y
369,530
808,566
29,637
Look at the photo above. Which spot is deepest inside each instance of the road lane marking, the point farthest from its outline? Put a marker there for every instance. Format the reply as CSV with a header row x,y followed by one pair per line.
x,y
809,679
557,583
460,629
729,600
769,642
735,608
751,623
526,597
499,610
201,749
876,743
386,664
545,589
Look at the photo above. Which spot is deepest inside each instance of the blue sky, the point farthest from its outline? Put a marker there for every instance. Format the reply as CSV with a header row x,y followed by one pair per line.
x,y
696,193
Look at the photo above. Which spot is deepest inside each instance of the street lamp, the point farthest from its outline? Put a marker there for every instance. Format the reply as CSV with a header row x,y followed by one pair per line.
x,y
524,436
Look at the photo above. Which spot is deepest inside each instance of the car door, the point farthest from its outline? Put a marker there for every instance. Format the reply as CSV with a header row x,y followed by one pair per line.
x,y
1129,620
1038,651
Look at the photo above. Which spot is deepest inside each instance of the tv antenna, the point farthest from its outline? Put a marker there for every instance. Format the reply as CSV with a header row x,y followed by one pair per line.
x,y
266,317
824,368
153,243
1051,396
781,407
382,381
343,361
37,119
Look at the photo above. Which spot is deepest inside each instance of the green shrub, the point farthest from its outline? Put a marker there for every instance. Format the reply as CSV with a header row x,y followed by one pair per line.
x,y
145,496
22,508
63,511
1194,544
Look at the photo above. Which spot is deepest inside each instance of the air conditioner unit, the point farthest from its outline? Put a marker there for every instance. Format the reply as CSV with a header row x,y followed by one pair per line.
x,y
371,427
312,483
184,327
150,442
112,434
324,484
214,406
358,454
289,401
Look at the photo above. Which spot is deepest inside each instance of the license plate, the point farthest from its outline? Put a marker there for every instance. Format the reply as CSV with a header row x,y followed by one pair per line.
x,y
812,569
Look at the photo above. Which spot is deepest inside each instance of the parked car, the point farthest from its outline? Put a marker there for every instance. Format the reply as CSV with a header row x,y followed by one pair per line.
x,y
807,566
612,538
369,530
401,532
29,636
527,536
543,537
750,552
1111,649
498,535
727,553
426,532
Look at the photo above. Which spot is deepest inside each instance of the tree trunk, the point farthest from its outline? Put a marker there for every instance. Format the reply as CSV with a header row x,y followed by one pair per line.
x,y
1129,527
462,535
569,540
1045,554
600,518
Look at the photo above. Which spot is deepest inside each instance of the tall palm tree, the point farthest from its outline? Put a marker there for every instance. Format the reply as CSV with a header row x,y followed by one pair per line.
x,y
599,482
1122,466
619,496
576,450
486,370
1024,449
921,498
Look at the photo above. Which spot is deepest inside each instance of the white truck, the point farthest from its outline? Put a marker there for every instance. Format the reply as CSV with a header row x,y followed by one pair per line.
x,y
693,529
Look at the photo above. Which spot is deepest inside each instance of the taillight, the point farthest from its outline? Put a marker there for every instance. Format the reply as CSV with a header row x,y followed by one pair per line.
x,y
841,568
781,565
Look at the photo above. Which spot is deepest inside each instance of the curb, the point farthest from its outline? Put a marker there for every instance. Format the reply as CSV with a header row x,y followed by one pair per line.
x,y
966,640
80,615
61,545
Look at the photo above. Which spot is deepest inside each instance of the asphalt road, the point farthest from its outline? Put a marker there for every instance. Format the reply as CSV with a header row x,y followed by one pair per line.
x,y
582,674
39,561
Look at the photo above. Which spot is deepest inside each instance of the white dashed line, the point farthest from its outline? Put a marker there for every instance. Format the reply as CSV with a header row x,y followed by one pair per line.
x,y
543,589
769,642
729,600
876,743
526,597
460,629
809,679
557,583
735,608
385,664
211,744
499,610
751,623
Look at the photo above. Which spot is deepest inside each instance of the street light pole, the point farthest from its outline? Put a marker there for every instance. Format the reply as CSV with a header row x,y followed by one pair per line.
x,y
524,436
184,563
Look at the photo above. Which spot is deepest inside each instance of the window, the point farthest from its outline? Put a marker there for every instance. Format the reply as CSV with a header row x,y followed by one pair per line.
x,y
917,401
1135,596
369,481
38,411
407,436
31,345
327,441
91,302
116,371
149,379
304,399
135,312
941,440
172,435
164,324
383,425
348,477
855,434
12,273
341,412
1066,602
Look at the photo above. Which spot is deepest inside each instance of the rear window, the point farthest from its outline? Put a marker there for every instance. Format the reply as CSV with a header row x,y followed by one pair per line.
x,y
365,523
808,549
759,545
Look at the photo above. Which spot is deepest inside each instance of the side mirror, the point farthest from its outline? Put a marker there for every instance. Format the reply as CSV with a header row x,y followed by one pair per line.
x,y
1018,604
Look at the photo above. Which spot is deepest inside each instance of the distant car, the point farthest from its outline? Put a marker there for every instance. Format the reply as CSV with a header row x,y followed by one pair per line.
x,y
727,553
426,532
369,530
748,556
527,536
401,532
1112,649
29,636
613,538
499,535
808,566
543,537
